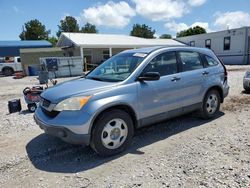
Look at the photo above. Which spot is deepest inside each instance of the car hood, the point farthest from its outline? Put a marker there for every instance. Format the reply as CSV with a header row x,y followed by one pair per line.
x,y
74,88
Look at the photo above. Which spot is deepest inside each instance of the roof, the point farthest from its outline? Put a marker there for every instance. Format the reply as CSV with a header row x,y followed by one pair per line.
x,y
155,48
25,43
90,40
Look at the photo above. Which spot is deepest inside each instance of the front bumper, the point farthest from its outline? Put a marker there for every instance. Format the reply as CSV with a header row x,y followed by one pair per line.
x,y
63,133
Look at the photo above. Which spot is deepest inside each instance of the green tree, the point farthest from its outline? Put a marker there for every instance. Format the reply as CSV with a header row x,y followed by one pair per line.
x,y
165,36
69,24
192,31
53,40
142,31
34,30
89,28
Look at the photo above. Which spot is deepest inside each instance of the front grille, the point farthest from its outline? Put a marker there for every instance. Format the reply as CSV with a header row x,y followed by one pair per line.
x,y
51,114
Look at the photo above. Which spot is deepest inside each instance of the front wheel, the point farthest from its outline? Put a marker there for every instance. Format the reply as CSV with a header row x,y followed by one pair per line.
x,y
112,133
211,104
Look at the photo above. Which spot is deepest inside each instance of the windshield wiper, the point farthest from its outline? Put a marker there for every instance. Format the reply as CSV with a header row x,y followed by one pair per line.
x,y
95,78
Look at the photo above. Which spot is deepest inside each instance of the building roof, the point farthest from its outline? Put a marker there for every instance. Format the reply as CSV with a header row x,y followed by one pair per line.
x,y
90,40
25,43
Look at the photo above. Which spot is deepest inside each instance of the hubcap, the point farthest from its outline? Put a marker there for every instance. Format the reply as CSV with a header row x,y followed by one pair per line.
x,y
212,104
114,133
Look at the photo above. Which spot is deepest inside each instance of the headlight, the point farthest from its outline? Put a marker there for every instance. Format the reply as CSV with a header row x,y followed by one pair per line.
x,y
74,103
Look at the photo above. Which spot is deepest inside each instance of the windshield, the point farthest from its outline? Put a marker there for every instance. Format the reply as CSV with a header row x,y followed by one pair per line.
x,y
117,68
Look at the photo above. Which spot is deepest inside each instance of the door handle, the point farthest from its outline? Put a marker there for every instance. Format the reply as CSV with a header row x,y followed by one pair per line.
x,y
175,79
205,73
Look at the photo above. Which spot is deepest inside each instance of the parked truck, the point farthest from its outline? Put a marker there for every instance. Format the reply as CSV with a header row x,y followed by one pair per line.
x,y
10,65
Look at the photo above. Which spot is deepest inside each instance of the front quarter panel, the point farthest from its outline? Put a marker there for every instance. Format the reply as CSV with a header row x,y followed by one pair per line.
x,y
120,95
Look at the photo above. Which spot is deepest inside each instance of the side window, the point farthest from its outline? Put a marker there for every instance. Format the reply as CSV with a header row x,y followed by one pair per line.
x,y
2,60
190,61
211,61
165,64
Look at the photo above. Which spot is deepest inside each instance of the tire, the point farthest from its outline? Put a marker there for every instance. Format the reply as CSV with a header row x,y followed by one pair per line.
x,y
112,132
8,71
32,107
211,104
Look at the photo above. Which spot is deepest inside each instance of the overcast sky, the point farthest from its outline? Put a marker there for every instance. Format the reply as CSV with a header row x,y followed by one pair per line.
x,y
165,16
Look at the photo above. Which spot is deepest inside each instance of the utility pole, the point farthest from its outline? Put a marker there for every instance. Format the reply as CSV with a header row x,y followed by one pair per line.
x,y
24,36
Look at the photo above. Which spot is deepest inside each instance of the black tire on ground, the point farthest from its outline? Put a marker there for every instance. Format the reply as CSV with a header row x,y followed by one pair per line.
x,y
8,71
206,111
98,132
32,107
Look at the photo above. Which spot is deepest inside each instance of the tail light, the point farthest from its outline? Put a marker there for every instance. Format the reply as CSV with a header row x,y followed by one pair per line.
x,y
225,70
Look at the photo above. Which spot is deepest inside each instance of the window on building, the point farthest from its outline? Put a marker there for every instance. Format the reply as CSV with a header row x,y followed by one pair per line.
x,y
105,54
192,43
165,64
208,43
227,43
190,61
71,53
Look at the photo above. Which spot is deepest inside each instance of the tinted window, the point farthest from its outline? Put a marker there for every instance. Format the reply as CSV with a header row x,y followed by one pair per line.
x,y
227,43
211,61
165,64
190,61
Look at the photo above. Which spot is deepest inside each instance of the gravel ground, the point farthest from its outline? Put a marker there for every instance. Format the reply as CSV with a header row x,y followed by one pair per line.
x,y
182,152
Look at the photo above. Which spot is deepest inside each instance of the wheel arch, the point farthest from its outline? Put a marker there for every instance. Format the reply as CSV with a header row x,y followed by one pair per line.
x,y
219,89
7,67
124,107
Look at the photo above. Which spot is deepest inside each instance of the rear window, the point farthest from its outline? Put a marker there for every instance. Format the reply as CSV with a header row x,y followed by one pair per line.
x,y
190,61
211,61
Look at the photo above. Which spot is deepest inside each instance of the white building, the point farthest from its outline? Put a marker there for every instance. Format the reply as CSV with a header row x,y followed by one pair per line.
x,y
95,48
232,46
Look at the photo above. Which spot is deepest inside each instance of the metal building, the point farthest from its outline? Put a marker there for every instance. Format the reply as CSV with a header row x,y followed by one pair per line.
x,y
12,48
232,45
95,48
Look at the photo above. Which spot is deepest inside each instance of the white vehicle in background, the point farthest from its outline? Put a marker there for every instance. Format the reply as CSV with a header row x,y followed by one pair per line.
x,y
246,81
10,65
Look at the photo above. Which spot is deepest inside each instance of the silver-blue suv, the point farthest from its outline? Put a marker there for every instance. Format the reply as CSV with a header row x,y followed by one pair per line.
x,y
130,90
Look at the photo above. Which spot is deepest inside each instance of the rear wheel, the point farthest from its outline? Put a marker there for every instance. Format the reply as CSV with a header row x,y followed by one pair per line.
x,y
211,104
112,133
8,71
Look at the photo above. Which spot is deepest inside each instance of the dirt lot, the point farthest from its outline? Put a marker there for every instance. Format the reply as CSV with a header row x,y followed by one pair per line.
x,y
183,152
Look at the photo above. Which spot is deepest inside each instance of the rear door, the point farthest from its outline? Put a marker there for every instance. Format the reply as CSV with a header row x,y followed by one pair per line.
x,y
192,82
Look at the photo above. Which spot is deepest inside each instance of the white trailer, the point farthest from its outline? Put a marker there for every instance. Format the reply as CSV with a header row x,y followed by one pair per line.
x,y
232,46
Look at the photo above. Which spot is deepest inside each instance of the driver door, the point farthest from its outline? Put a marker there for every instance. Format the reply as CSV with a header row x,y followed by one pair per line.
x,y
157,99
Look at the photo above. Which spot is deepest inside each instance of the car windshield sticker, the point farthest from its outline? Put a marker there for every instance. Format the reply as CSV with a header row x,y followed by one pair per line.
x,y
140,55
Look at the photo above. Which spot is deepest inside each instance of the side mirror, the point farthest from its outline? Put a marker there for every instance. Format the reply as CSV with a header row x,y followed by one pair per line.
x,y
149,76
